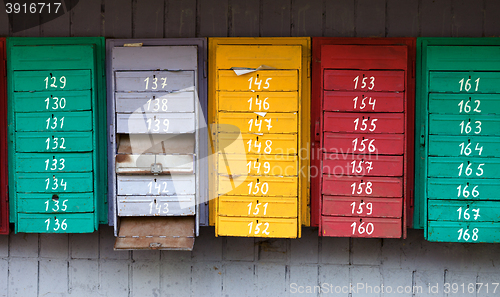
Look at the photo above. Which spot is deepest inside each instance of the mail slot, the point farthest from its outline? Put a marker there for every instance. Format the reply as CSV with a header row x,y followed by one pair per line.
x,y
261,122
69,80
362,107
157,147
364,80
363,186
57,124
271,165
4,202
54,121
362,227
48,101
154,81
55,203
358,122
34,142
444,103
363,207
167,102
137,123
259,119
457,140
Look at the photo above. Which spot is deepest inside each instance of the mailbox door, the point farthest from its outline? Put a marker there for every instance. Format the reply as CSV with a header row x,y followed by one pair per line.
x,y
156,159
4,206
362,103
259,117
458,139
57,128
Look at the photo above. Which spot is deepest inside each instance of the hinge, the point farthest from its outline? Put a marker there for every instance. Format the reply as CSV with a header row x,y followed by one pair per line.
x,y
111,133
317,132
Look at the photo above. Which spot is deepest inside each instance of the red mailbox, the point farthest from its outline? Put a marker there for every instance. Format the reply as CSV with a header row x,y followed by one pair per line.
x,y
363,101
4,206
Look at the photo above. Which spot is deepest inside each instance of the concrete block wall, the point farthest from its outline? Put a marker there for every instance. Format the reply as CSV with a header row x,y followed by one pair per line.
x,y
86,265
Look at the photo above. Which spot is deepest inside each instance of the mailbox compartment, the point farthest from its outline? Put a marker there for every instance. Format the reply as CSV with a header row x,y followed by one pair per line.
x,y
362,107
259,117
258,101
56,203
57,124
457,139
257,165
158,142
352,80
4,199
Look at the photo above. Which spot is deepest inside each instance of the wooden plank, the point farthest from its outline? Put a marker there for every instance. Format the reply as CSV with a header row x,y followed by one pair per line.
x,y
370,18
307,18
86,18
275,18
339,18
180,18
491,19
435,18
212,18
4,23
148,19
118,19
19,21
467,18
59,27
402,18
245,18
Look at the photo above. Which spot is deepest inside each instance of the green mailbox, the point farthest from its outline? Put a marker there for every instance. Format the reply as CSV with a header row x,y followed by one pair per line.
x,y
457,180
57,134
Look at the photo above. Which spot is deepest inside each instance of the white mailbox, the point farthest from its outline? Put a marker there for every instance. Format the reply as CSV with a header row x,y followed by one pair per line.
x,y
157,142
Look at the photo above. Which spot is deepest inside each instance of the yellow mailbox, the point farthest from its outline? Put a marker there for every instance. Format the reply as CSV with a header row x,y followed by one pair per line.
x,y
259,117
